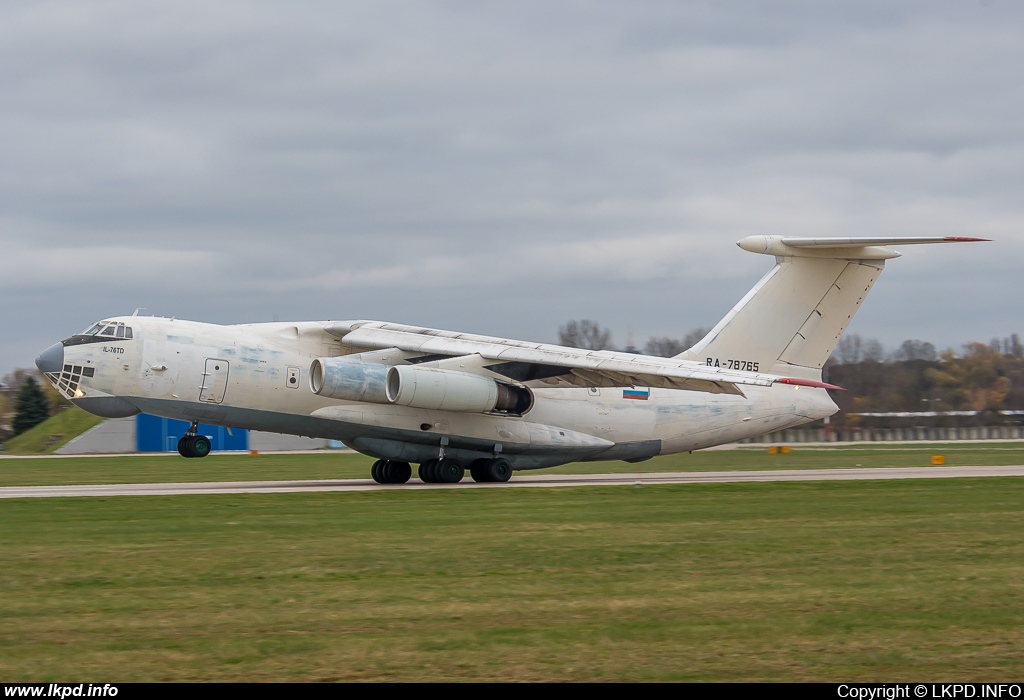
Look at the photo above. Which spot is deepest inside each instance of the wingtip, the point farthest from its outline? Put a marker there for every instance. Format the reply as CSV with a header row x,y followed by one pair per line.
x,y
965,239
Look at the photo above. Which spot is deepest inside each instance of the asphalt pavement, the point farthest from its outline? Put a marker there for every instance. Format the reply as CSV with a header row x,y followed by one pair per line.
x,y
520,480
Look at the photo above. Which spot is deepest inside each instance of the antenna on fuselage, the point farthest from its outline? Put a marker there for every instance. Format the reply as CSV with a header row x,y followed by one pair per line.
x,y
138,309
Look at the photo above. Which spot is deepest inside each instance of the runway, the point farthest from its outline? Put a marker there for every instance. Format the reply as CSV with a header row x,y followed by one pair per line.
x,y
518,481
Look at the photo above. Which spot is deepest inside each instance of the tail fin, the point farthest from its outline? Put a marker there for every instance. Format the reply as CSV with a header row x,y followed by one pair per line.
x,y
790,322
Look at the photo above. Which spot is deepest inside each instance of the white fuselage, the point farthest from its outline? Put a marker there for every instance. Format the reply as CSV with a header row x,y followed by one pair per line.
x,y
257,377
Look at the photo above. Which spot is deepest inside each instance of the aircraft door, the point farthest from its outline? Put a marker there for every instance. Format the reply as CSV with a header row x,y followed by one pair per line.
x,y
215,381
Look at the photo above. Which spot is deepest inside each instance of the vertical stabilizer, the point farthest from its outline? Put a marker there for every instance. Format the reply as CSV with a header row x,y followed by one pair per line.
x,y
792,319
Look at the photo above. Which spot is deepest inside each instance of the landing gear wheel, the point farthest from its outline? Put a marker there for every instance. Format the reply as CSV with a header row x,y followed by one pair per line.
x,y
398,472
449,471
426,471
478,470
199,446
183,446
385,471
499,470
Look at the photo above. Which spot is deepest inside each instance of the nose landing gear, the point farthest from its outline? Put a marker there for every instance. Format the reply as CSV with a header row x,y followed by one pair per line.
x,y
192,445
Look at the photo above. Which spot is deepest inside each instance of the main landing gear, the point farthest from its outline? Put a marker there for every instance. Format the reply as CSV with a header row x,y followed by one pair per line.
x,y
192,445
384,471
491,470
442,471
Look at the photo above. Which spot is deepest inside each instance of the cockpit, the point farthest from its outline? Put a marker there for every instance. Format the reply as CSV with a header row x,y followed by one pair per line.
x,y
101,332
110,330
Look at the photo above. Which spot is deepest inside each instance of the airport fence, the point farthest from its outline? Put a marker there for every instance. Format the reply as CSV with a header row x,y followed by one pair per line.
x,y
797,435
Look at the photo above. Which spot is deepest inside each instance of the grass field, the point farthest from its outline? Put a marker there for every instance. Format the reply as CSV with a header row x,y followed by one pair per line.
x,y
53,433
328,465
893,580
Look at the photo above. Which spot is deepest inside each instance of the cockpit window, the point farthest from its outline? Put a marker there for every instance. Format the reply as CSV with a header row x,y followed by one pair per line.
x,y
102,331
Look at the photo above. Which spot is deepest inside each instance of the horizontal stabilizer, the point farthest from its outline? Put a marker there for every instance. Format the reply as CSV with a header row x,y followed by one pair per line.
x,y
798,242
857,248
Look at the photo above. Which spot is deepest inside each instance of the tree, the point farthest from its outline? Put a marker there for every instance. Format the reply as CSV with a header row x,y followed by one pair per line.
x,y
32,407
1009,346
16,380
670,347
664,347
915,350
585,334
852,349
977,380
694,337
873,351
848,350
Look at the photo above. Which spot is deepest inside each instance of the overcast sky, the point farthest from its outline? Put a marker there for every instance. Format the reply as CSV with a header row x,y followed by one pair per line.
x,y
501,167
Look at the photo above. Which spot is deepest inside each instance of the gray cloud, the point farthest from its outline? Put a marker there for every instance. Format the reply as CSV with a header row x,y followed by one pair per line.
x,y
500,167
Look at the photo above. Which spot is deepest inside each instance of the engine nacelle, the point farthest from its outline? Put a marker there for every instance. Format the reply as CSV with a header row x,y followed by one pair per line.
x,y
349,380
447,390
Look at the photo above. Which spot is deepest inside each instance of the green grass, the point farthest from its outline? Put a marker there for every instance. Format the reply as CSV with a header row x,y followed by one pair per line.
x,y
716,582
53,433
332,465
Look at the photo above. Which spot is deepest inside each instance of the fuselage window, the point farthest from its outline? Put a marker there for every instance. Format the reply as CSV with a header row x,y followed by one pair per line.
x,y
128,332
120,331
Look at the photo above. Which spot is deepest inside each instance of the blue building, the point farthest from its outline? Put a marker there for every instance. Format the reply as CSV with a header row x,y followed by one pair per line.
x,y
153,434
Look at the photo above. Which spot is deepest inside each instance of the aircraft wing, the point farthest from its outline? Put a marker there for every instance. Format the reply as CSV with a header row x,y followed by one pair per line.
x,y
523,361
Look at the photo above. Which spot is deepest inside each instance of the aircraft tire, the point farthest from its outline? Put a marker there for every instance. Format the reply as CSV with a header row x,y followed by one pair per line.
x,y
183,446
449,471
426,471
199,445
478,470
499,470
398,472
375,471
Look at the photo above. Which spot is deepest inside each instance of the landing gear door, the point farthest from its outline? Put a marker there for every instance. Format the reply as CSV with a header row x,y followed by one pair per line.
x,y
215,381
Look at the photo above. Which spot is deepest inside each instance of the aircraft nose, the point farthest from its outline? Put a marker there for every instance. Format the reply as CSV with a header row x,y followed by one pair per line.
x,y
51,359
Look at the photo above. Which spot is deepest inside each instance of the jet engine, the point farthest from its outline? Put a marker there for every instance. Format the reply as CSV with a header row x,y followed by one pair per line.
x,y
447,390
417,387
349,380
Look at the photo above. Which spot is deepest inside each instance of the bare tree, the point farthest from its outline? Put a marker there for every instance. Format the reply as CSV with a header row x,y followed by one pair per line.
x,y
873,351
585,334
664,347
694,337
848,351
1008,346
670,347
915,350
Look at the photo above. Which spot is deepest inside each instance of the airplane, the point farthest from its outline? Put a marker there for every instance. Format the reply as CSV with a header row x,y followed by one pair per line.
x,y
450,401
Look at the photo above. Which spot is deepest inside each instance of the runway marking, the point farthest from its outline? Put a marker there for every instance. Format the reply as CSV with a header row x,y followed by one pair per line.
x,y
518,481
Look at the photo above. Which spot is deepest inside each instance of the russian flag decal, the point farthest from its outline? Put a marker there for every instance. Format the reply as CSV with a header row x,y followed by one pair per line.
x,y
639,394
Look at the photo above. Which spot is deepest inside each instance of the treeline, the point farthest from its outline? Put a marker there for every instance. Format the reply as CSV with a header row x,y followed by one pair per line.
x,y
981,378
591,336
985,378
